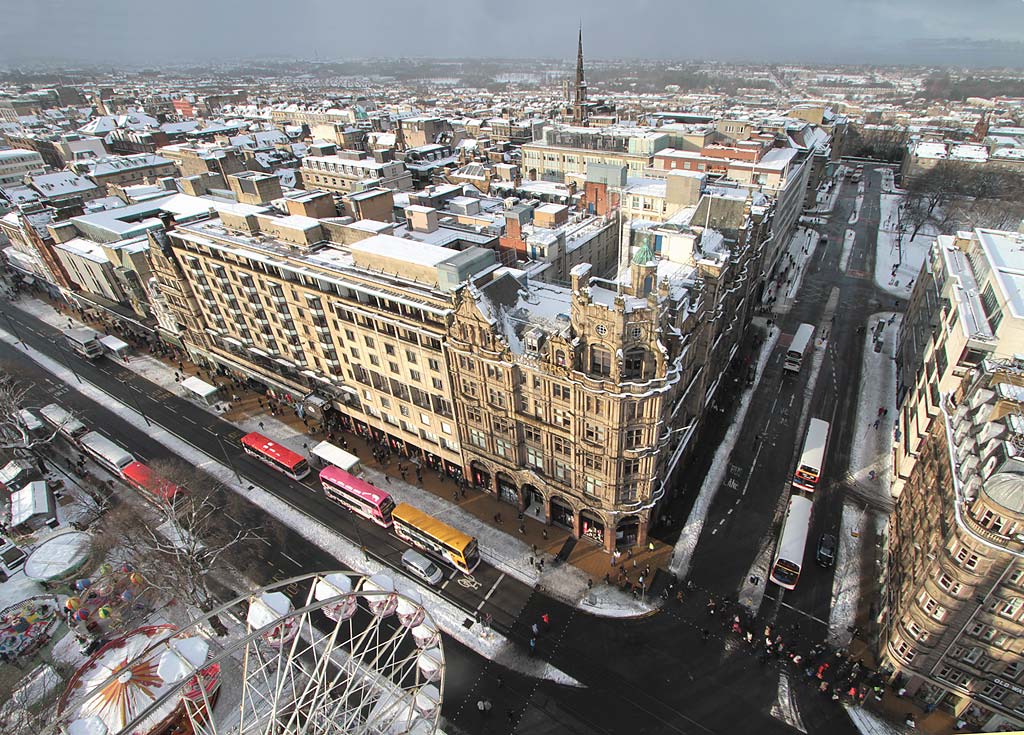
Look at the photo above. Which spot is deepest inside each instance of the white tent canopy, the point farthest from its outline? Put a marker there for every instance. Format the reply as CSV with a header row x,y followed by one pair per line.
x,y
11,471
32,500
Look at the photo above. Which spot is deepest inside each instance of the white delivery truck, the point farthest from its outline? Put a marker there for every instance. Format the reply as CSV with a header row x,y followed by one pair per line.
x,y
85,342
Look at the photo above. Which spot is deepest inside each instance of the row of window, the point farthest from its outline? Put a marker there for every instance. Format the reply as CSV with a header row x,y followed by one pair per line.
x,y
324,285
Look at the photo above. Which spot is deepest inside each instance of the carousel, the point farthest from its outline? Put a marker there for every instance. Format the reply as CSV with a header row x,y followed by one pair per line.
x,y
133,684
27,626
118,599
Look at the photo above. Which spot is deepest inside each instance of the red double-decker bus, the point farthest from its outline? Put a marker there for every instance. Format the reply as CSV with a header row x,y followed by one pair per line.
x,y
357,495
153,487
280,458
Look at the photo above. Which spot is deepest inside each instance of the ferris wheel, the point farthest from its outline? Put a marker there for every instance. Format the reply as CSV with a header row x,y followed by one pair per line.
x,y
317,654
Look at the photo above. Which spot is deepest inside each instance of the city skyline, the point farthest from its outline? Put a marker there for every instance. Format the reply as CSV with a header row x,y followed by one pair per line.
x,y
933,33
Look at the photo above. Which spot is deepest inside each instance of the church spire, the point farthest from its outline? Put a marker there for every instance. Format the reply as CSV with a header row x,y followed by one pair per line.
x,y
579,110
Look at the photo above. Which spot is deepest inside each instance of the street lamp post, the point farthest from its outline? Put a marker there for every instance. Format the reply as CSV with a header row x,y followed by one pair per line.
x,y
231,464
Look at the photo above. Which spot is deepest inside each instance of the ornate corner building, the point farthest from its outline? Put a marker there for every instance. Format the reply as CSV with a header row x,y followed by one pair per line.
x,y
577,404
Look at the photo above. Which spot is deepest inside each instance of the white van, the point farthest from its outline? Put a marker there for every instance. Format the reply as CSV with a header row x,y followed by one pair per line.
x,y
421,567
112,456
32,422
63,421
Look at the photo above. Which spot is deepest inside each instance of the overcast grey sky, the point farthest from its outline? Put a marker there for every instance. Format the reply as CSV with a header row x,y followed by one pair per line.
x,y
143,32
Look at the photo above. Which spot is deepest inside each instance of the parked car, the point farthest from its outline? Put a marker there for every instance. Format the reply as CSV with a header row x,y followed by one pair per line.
x,y
827,550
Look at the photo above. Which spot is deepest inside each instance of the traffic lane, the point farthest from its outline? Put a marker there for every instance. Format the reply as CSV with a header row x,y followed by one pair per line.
x,y
731,540
169,411
44,389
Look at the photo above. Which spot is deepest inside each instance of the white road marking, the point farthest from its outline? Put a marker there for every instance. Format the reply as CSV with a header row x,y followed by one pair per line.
x,y
491,590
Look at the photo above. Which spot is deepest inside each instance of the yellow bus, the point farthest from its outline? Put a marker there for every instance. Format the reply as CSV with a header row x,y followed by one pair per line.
x,y
425,532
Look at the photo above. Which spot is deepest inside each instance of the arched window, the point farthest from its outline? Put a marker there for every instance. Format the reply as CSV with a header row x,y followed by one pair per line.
x,y
600,361
560,358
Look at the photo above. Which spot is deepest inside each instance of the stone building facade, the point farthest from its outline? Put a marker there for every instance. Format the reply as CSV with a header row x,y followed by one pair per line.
x,y
355,329
953,614
575,403
963,309
579,404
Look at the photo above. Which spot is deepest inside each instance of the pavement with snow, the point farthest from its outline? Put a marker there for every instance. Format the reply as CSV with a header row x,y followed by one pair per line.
x,y
869,472
848,239
798,254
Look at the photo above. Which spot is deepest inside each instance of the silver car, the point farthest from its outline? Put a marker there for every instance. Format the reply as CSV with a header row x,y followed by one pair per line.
x,y
421,567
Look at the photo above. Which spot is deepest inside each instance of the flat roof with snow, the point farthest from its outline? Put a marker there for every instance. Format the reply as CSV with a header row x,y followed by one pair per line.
x,y
410,251
30,501
1005,251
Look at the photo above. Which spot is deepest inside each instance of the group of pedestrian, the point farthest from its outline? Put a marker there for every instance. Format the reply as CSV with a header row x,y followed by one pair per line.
x,y
832,672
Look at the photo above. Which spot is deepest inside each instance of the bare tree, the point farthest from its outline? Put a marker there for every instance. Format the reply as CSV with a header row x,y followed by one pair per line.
x,y
188,544
886,143
14,431
954,195
937,185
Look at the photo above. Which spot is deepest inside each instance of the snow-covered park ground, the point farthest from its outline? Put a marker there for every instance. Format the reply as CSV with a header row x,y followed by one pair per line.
x,y
898,259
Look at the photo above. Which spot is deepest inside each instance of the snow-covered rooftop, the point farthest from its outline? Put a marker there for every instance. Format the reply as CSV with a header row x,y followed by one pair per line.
x,y
1005,253
410,251
84,249
61,183
930,150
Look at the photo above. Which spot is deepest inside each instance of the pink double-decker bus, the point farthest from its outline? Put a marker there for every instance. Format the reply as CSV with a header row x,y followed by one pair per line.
x,y
357,495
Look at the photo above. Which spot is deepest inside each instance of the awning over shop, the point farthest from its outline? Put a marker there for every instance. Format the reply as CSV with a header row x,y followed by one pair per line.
x,y
200,387
113,344
114,309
